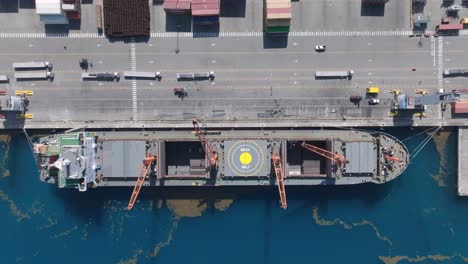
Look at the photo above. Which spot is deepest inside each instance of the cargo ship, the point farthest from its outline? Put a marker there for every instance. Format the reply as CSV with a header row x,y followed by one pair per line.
x,y
90,159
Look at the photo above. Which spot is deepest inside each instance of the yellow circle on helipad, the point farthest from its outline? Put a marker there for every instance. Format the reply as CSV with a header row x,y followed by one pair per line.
x,y
245,158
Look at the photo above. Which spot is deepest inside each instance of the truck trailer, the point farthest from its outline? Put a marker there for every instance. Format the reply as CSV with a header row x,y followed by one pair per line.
x,y
196,76
105,76
32,65
34,75
455,72
142,75
334,74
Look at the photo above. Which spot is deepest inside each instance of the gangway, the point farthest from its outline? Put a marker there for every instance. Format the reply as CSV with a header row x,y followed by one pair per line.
x,y
280,179
145,168
210,153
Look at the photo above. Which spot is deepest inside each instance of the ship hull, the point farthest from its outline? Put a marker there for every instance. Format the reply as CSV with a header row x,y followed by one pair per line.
x,y
104,159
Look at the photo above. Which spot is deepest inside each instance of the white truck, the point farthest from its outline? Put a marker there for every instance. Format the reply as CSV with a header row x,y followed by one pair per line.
x,y
143,75
100,76
32,65
334,74
196,76
34,75
4,78
455,72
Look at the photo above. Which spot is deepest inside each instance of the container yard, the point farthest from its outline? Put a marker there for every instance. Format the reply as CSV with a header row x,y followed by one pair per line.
x,y
126,18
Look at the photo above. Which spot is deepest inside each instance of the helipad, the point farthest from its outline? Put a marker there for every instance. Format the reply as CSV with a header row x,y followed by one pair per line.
x,y
246,158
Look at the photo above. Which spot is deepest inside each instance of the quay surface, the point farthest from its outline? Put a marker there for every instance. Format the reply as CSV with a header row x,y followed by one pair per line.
x,y
463,161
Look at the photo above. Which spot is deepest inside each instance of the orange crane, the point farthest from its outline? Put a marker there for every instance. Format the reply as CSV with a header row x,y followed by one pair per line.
x,y
392,158
325,153
145,168
210,153
280,179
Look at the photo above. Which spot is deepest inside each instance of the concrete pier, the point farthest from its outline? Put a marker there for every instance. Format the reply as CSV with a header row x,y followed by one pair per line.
x,y
462,161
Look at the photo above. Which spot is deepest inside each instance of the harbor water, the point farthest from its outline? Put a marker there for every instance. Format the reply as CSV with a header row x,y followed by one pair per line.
x,y
416,218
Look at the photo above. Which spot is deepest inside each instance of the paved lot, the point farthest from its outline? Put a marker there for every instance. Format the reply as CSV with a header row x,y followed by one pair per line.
x,y
258,78
251,81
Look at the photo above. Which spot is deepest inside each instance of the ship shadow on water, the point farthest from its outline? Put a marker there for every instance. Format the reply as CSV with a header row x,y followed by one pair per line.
x,y
300,198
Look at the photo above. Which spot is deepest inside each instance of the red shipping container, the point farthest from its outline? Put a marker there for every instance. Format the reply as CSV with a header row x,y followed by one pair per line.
x,y
205,12
460,107
205,6
194,2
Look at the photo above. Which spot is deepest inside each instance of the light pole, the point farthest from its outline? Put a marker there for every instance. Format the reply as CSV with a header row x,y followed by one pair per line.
x,y
177,45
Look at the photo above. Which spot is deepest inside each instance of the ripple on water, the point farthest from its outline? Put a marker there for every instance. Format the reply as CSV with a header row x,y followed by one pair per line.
x,y
440,141
20,216
337,221
5,150
440,258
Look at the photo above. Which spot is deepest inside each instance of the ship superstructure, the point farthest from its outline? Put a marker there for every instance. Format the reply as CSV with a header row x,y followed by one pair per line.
x,y
99,159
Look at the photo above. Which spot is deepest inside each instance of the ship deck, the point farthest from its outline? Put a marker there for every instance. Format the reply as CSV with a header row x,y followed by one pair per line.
x,y
245,157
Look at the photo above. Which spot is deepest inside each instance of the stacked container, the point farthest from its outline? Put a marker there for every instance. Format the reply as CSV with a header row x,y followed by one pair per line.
x,y
176,6
460,107
205,12
277,15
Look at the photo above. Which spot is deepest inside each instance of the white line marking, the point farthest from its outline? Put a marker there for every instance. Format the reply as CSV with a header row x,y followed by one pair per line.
x,y
225,34
134,83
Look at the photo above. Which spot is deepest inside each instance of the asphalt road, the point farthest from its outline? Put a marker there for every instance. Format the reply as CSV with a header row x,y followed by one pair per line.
x,y
256,77
251,81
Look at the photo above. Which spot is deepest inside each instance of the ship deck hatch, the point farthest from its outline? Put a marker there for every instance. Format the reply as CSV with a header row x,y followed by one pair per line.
x,y
185,159
301,162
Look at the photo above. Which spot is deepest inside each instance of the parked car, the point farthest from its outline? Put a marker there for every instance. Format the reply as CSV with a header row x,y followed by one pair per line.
x,y
453,8
320,48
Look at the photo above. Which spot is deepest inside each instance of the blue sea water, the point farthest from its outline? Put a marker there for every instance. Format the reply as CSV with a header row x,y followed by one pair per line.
x,y
417,218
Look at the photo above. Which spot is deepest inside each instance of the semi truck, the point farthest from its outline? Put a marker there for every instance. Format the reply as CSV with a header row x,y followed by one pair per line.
x,y
143,75
334,74
455,72
196,76
32,65
100,76
34,75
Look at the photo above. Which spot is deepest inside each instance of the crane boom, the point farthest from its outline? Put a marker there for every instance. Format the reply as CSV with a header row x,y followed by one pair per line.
x,y
280,179
145,167
392,158
325,153
211,155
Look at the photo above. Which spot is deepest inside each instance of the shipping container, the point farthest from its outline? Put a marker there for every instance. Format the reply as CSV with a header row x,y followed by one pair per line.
x,y
449,27
375,2
205,20
277,16
460,107
99,16
177,6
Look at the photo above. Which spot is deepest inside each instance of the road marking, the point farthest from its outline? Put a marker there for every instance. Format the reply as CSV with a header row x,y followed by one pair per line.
x,y
225,34
440,71
433,50
134,82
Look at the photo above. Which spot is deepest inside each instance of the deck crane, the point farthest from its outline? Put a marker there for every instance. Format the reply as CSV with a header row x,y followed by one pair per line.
x,y
145,168
325,153
280,179
210,153
392,158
